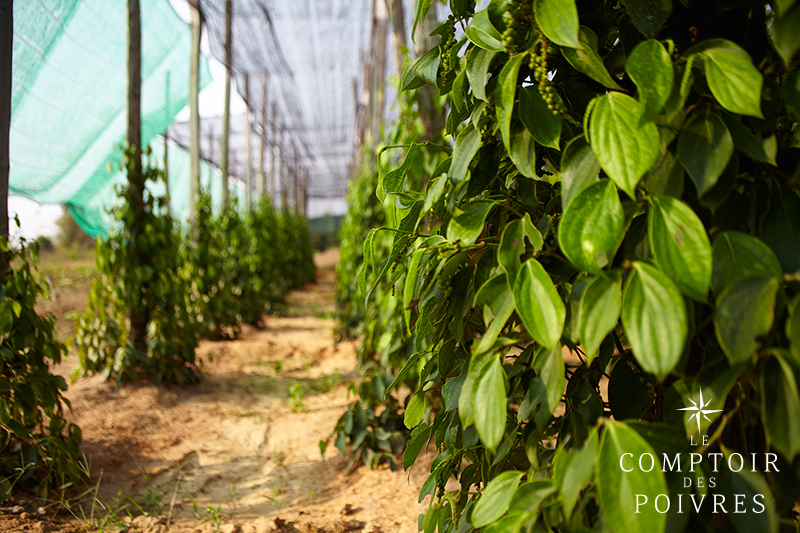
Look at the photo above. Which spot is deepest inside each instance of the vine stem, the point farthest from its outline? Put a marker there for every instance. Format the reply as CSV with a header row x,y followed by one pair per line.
x,y
617,343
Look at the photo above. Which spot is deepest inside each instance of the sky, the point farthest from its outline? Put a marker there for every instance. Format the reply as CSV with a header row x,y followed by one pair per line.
x,y
40,219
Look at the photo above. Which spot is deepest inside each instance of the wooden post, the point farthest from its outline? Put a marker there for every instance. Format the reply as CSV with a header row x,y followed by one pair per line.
x,y
226,113
194,109
248,175
138,313
397,16
262,177
6,57
380,24
272,145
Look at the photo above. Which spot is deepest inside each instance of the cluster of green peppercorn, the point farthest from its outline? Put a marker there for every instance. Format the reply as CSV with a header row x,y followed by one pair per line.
x,y
518,19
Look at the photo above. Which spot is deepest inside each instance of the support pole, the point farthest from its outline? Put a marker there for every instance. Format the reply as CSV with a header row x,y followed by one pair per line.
x,y
283,180
226,113
272,146
138,313
6,57
399,44
166,144
248,174
262,177
194,108
380,24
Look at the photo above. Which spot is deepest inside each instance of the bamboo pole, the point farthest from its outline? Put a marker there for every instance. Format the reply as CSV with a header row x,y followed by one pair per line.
x,y
226,113
283,162
397,16
6,58
379,27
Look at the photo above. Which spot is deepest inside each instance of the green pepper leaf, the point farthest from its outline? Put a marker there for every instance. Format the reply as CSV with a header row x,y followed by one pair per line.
x,y
654,318
592,227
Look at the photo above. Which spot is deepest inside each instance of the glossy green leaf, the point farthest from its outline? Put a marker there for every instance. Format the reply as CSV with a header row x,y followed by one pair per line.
x,y
490,402
572,471
579,169
654,318
785,36
790,92
666,176
585,58
745,311
558,20
780,227
419,436
592,227
504,96
704,148
414,410
421,8
650,68
410,285
468,226
793,329
754,147
758,511
783,5
631,390
497,294
648,15
733,80
538,119
523,153
538,304
478,62
496,498
617,489
549,366
624,149
512,245
530,495
738,255
601,304
780,407
680,245
467,144
483,34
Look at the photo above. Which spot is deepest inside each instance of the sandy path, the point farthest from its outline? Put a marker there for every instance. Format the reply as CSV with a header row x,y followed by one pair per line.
x,y
239,446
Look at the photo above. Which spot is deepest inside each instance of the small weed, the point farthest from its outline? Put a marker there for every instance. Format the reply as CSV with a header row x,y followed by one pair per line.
x,y
296,395
277,366
276,497
280,459
151,499
214,517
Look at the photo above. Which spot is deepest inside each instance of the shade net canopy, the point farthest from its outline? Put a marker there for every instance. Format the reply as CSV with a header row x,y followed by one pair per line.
x,y
310,51
69,89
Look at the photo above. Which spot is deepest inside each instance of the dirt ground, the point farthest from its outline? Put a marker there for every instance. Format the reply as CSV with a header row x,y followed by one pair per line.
x,y
238,452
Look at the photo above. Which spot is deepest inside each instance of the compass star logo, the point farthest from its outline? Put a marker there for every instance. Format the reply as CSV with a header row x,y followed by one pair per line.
x,y
700,410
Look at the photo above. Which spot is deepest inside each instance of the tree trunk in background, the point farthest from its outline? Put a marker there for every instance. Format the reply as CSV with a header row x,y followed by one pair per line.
x,y
226,113
6,56
380,23
433,119
399,44
194,109
138,314
262,177
248,174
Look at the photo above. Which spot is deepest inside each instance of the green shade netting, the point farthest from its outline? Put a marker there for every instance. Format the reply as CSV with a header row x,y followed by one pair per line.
x,y
95,218
68,114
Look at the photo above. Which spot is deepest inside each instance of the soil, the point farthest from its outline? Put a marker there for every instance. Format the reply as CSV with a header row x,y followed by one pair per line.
x,y
238,452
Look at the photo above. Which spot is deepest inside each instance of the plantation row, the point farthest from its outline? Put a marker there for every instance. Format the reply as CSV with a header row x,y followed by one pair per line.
x,y
622,185
227,269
